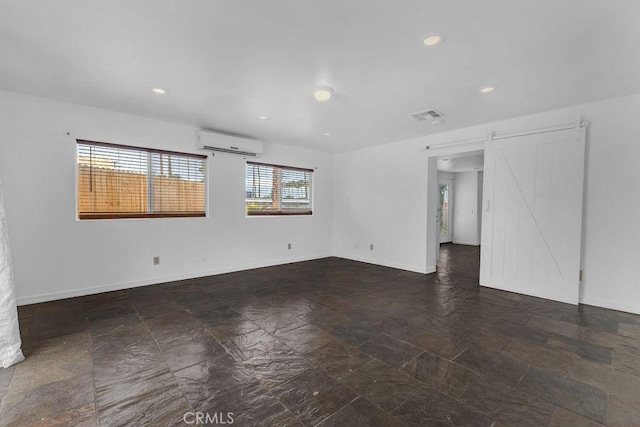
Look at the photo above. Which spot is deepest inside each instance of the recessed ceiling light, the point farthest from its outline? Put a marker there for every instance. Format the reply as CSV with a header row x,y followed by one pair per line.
x,y
327,134
433,39
262,117
158,90
488,89
322,93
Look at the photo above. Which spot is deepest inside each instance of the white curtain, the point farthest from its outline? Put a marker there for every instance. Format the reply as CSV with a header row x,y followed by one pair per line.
x,y
10,343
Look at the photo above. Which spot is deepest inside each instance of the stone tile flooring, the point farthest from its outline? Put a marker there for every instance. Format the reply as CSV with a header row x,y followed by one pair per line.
x,y
330,342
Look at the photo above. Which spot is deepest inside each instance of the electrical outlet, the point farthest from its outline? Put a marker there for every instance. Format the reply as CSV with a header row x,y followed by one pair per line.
x,y
370,246
288,245
156,260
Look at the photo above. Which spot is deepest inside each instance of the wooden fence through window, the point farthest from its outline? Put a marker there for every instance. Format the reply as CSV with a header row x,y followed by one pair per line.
x,y
115,191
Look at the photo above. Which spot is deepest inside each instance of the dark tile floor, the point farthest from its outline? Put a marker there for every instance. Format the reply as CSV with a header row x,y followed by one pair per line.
x,y
330,342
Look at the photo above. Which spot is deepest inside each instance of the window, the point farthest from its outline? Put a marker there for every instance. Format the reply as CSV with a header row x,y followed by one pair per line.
x,y
277,190
117,181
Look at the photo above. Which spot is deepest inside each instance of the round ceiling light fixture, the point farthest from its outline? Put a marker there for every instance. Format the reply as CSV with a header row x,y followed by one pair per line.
x,y
488,89
263,117
327,134
433,39
158,90
322,93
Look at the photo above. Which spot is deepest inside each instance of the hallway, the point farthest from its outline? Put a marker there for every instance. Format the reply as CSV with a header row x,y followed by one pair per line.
x,y
459,265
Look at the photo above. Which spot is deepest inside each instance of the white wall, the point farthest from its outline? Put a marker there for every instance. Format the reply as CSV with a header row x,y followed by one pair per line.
x,y
57,256
479,206
380,198
381,195
465,212
446,175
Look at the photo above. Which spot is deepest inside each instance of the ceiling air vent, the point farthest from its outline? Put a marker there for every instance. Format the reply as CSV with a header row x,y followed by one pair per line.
x,y
427,114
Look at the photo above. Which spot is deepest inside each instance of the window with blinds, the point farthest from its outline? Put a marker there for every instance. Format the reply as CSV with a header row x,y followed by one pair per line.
x,y
277,190
118,181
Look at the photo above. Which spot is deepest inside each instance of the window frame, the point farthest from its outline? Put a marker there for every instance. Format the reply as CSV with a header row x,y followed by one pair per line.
x,y
149,201
280,212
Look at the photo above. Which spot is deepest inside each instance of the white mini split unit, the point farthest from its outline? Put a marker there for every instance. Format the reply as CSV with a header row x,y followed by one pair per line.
x,y
224,143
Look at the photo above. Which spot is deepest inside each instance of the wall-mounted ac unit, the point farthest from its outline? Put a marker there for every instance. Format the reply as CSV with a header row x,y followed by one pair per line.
x,y
220,142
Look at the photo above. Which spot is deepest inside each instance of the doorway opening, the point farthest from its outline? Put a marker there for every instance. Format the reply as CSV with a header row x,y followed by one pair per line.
x,y
445,216
530,213
459,217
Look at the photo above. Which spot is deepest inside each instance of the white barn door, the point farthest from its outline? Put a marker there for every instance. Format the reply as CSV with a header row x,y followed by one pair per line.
x,y
532,214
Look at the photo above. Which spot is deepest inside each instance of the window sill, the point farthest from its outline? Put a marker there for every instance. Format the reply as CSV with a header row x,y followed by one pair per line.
x,y
134,216
277,213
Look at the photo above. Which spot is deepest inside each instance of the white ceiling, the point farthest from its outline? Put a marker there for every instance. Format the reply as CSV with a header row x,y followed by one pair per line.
x,y
462,162
226,62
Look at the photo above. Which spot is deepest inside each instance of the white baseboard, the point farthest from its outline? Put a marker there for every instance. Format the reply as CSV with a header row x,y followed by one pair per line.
x,y
613,305
462,242
399,266
155,280
544,293
582,299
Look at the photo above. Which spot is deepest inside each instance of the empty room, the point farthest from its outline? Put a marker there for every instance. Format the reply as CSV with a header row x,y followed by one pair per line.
x,y
333,213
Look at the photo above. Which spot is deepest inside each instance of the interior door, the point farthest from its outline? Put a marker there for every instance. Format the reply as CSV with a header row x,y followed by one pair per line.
x,y
445,219
532,214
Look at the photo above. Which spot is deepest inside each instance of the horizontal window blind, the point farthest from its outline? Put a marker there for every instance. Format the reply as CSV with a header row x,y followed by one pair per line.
x,y
117,181
277,190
